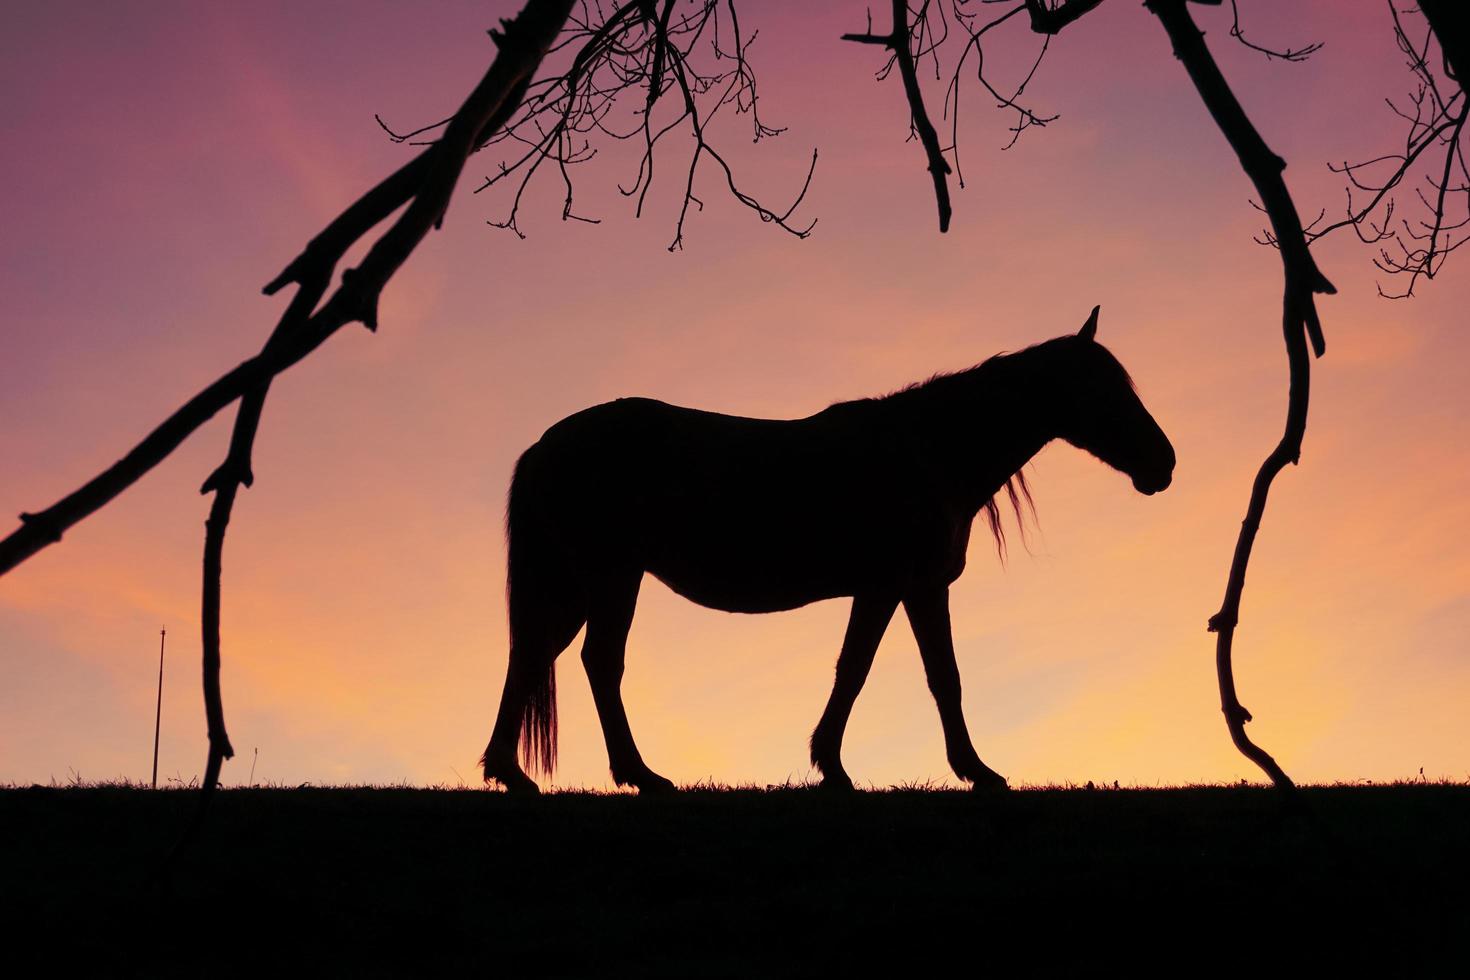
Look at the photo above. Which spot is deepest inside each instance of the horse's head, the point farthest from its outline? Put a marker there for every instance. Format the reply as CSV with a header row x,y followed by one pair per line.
x,y
1100,412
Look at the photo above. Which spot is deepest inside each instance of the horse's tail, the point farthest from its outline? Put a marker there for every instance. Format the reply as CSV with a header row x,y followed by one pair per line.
x,y
546,604
538,725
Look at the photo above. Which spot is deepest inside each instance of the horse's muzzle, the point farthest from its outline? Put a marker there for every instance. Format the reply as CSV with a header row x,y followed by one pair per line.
x,y
1153,484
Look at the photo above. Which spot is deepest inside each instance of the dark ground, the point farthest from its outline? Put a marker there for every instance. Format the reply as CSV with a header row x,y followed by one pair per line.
x,y
786,882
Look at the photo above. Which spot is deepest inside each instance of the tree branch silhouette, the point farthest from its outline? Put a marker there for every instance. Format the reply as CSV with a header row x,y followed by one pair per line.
x,y
523,43
1435,114
653,49
898,41
425,184
1284,54
914,36
1299,322
1051,20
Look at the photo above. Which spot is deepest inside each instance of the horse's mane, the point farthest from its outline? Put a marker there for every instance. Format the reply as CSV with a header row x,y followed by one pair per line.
x,y
940,377
1016,488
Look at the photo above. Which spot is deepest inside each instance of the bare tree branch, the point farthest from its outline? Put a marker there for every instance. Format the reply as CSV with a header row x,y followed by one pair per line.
x,y
426,185
1415,248
1299,321
297,334
689,82
1285,54
644,44
898,41
914,36
1051,20
523,44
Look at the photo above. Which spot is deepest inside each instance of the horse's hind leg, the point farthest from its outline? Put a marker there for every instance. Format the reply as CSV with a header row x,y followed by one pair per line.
x,y
540,631
865,628
604,652
528,663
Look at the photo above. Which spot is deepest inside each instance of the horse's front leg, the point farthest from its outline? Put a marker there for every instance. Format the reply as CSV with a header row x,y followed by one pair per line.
x,y
928,612
865,626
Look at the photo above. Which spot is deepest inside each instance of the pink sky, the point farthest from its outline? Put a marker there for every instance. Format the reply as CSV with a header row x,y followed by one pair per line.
x,y
164,161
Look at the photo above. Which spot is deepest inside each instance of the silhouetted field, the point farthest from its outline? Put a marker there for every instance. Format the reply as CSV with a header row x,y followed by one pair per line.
x,y
737,882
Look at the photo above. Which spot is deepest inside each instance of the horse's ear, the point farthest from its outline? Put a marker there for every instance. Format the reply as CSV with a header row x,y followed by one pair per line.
x,y
1089,329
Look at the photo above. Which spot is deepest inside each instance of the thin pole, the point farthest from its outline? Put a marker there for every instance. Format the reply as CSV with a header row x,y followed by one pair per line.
x,y
158,711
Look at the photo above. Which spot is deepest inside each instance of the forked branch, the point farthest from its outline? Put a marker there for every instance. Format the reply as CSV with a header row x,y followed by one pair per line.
x,y
1051,19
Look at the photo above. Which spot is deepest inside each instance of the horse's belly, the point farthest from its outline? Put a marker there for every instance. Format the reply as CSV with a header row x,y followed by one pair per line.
x,y
746,569
744,595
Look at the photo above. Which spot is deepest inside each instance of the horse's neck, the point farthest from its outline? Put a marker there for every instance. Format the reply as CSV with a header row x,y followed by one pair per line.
x,y
983,425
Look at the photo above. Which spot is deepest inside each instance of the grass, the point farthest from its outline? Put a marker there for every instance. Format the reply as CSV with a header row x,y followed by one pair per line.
x,y
736,882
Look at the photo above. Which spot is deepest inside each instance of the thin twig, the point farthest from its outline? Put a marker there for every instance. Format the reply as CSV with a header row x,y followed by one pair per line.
x,y
1285,54
1436,116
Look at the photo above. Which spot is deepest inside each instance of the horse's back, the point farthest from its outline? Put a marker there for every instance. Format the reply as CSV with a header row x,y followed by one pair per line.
x,y
643,453
736,513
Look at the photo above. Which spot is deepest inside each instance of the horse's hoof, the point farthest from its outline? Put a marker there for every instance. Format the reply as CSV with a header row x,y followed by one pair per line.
x,y
837,783
655,785
991,782
515,782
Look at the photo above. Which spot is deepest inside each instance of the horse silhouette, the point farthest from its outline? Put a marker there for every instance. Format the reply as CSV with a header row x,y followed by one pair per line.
x,y
872,499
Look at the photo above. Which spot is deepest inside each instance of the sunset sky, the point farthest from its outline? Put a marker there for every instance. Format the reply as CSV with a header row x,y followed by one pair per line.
x,y
164,160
